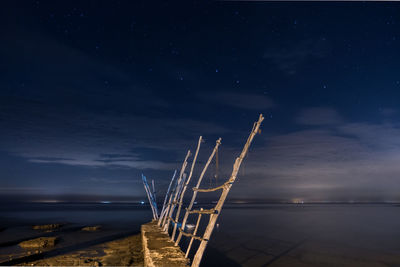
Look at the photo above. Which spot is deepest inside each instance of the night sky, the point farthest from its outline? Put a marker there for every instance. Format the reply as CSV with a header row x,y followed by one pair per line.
x,y
93,93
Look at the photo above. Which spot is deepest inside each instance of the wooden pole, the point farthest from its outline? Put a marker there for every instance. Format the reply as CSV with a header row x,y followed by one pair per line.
x,y
194,233
166,198
213,217
218,143
168,205
184,188
173,193
154,191
153,205
173,203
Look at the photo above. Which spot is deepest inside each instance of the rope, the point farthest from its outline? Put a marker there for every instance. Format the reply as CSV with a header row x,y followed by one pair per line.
x,y
190,235
203,211
216,161
216,167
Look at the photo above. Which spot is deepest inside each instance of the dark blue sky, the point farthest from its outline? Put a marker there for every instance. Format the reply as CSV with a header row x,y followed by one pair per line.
x,y
92,93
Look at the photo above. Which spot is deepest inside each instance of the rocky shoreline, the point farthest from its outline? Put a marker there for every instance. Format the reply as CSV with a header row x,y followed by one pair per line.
x,y
71,245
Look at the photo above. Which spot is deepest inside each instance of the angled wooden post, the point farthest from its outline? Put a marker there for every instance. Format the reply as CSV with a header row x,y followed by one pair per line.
x,y
166,198
154,191
225,190
164,219
189,208
174,192
179,188
152,202
184,188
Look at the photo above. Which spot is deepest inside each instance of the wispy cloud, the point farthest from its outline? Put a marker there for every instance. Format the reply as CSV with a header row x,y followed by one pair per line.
x,y
292,56
319,116
101,140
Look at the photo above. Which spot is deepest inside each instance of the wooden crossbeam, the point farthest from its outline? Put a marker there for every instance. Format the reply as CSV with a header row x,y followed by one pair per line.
x,y
202,211
212,189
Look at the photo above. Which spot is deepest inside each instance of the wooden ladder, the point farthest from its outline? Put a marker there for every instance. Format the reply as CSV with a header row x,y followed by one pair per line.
x,y
215,211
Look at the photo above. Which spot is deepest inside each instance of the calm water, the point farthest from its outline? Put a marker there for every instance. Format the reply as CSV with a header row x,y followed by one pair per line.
x,y
256,235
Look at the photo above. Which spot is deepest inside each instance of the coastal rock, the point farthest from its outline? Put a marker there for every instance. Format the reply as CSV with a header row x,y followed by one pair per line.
x,y
91,228
47,226
41,242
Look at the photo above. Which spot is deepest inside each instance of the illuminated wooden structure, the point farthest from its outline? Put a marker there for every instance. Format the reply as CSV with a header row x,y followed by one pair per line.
x,y
179,189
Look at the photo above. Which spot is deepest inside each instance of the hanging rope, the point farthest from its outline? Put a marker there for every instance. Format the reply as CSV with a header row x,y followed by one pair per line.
x,y
243,169
216,162
216,168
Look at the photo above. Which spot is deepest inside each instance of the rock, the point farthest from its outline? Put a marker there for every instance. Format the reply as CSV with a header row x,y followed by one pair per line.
x,y
41,242
91,228
47,226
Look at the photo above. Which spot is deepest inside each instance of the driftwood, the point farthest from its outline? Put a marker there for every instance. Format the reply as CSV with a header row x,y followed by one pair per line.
x,y
185,186
218,143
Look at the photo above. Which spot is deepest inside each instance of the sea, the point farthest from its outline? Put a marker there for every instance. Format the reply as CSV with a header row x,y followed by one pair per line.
x,y
245,234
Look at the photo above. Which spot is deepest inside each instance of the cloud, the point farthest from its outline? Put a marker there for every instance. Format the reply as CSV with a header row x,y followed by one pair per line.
x,y
319,116
350,161
96,140
247,101
114,181
388,111
135,164
290,57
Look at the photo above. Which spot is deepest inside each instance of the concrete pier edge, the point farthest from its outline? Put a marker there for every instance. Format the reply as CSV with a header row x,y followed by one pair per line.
x,y
158,249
